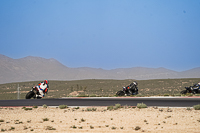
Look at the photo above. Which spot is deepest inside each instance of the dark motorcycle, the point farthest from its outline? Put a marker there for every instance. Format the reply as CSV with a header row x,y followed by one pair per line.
x,y
33,93
191,90
126,92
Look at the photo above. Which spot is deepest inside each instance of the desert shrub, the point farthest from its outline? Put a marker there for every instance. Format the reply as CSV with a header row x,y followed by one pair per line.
x,y
110,108
50,128
94,109
27,108
82,120
92,95
107,125
137,128
91,127
91,109
188,108
18,122
45,106
113,128
76,108
62,106
73,126
168,117
140,95
126,106
177,94
196,107
117,106
45,119
189,94
3,130
25,127
141,105
1,120
35,106
12,128
166,95
169,110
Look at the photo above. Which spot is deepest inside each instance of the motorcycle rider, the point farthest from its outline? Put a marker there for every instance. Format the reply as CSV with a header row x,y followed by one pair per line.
x,y
132,88
196,87
43,88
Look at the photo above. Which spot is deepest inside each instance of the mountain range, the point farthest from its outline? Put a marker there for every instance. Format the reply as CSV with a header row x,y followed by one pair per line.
x,y
36,68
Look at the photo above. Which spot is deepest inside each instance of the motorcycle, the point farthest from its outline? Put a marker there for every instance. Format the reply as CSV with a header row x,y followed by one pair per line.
x,y
32,94
125,92
190,90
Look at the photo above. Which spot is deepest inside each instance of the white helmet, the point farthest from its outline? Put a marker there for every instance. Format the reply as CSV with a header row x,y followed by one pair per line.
x,y
135,83
199,83
124,88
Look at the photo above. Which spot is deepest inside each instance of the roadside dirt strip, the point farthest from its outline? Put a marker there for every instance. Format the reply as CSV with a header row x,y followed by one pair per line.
x,y
99,119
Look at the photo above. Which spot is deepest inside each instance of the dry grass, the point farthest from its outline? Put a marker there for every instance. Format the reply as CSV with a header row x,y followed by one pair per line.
x,y
94,87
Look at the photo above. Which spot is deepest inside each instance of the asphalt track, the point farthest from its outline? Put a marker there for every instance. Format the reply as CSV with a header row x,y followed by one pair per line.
x,y
106,101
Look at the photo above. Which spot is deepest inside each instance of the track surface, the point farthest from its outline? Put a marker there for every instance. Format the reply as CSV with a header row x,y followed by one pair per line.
x,y
161,102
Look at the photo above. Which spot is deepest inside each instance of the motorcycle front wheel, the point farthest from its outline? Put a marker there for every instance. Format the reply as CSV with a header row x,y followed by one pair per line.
x,y
30,94
120,93
183,92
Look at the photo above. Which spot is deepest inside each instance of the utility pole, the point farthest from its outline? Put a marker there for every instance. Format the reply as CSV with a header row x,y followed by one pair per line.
x,y
18,92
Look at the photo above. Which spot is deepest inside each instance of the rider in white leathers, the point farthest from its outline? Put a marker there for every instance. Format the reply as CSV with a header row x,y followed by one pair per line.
x,y
43,88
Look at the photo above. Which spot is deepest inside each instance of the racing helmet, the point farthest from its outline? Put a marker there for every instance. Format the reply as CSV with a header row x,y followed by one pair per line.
x,y
46,81
124,88
135,83
199,83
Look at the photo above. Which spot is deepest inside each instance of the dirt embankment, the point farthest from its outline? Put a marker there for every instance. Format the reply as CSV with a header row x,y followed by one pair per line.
x,y
41,119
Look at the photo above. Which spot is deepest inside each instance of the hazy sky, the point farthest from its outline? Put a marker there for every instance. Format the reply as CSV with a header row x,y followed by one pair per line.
x,y
104,34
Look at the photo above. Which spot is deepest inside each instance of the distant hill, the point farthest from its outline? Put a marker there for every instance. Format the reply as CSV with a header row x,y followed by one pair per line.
x,y
37,68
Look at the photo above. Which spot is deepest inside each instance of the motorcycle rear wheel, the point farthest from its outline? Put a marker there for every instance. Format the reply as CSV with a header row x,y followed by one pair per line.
x,y
30,94
120,93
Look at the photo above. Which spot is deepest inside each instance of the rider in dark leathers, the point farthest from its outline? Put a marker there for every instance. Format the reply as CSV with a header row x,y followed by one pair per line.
x,y
132,88
196,88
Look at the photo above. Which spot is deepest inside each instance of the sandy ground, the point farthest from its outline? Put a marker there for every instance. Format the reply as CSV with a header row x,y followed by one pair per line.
x,y
44,120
